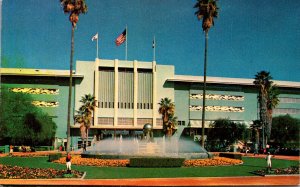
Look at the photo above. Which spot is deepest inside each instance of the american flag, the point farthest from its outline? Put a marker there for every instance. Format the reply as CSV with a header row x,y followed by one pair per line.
x,y
121,38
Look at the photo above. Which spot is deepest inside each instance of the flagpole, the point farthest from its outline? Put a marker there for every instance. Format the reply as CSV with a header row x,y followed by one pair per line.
x,y
97,44
154,46
126,44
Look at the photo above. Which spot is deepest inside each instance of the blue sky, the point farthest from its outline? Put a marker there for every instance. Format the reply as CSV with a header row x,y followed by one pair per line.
x,y
248,36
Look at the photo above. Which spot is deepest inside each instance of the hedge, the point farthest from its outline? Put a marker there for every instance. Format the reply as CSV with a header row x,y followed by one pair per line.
x,y
156,162
231,155
105,156
55,156
43,148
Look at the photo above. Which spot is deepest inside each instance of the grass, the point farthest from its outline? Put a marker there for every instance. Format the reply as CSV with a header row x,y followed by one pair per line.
x,y
250,165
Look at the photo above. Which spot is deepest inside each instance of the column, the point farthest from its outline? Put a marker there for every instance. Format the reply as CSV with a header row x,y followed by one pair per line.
x,y
135,91
116,98
96,90
154,102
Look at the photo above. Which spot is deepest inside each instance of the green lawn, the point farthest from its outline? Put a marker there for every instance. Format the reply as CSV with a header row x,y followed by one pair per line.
x,y
250,164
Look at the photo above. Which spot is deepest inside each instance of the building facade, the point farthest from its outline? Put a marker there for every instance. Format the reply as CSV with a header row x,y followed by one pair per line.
x,y
49,90
128,93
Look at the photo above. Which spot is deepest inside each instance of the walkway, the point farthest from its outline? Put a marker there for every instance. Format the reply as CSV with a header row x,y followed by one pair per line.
x,y
203,181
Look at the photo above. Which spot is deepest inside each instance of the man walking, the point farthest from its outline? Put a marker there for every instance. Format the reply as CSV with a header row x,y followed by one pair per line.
x,y
68,163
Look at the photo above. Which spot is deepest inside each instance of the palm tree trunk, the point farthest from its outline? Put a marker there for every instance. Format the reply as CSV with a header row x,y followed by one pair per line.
x,y
204,89
87,137
70,92
264,119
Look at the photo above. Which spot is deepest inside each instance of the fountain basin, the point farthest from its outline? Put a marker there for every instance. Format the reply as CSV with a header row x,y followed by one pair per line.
x,y
99,155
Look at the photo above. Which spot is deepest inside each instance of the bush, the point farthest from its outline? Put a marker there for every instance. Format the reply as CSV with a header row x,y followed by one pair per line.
x,y
43,148
231,155
105,156
55,156
156,162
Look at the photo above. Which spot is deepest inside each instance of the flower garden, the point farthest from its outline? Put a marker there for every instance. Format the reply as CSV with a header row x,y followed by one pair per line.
x,y
217,161
16,172
37,166
293,170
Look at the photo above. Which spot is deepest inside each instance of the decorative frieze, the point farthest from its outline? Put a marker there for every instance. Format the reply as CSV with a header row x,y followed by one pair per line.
x,y
218,97
45,103
37,91
217,108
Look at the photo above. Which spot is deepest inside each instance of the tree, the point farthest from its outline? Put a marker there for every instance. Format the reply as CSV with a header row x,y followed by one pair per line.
x,y
85,115
74,8
224,132
23,123
207,10
167,109
272,102
255,126
268,100
285,129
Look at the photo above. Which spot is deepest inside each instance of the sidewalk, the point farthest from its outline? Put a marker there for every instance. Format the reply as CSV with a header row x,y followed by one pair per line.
x,y
203,181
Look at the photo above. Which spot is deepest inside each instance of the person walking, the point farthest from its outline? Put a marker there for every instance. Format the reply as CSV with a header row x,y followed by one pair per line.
x,y
68,163
269,162
11,149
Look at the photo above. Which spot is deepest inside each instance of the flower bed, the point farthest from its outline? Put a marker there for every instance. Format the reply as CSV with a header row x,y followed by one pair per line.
x,y
16,172
77,160
279,171
217,161
29,154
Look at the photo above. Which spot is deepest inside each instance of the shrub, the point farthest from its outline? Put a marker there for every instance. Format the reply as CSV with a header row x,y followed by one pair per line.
x,y
104,156
156,162
55,156
43,148
231,155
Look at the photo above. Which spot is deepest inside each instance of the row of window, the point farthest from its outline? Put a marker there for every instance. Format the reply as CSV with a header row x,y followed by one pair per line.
x,y
218,97
286,111
125,105
128,121
289,100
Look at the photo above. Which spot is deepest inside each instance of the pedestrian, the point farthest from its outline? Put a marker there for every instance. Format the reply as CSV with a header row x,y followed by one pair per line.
x,y
269,162
255,149
247,150
68,163
11,149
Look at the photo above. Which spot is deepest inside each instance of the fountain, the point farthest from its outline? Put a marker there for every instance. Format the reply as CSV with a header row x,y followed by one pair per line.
x,y
119,147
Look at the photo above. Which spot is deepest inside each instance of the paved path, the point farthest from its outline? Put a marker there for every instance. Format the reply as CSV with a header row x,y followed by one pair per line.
x,y
203,181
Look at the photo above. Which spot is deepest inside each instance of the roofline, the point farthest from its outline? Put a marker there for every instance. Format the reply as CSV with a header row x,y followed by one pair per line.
x,y
232,81
37,72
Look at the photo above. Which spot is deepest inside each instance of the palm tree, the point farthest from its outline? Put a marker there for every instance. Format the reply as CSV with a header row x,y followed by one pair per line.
x,y
78,118
263,81
85,115
272,102
172,124
167,109
207,10
255,126
74,8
